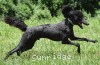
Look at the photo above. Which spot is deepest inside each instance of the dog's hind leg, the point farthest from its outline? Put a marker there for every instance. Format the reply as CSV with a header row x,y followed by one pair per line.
x,y
26,43
20,49
10,53
66,41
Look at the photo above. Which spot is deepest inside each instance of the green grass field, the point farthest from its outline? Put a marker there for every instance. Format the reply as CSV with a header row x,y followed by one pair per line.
x,y
47,52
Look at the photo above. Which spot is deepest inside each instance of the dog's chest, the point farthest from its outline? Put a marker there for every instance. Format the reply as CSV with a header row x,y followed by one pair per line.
x,y
65,30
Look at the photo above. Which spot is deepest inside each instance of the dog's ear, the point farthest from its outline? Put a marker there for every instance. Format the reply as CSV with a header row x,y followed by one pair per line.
x,y
66,9
72,14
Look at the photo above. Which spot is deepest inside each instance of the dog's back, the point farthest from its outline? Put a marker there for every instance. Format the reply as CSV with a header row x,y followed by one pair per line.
x,y
51,31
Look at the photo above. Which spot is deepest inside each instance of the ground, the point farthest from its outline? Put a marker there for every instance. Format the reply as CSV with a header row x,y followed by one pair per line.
x,y
47,52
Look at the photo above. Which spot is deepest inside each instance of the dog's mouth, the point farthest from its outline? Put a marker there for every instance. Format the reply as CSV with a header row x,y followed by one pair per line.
x,y
83,22
80,25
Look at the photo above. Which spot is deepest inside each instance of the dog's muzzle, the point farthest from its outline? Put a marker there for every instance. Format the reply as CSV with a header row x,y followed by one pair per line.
x,y
85,22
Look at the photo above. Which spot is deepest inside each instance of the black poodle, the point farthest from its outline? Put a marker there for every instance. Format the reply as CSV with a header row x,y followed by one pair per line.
x,y
62,31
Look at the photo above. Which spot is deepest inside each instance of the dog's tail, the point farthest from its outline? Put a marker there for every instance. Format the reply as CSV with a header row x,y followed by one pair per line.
x,y
16,22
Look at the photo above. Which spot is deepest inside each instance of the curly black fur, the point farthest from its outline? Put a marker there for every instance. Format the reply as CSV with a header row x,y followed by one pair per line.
x,y
66,9
14,21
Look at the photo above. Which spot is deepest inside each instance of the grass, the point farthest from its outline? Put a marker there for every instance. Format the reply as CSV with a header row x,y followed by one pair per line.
x,y
47,52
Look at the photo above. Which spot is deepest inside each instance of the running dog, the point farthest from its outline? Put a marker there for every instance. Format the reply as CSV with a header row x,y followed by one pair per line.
x,y
62,31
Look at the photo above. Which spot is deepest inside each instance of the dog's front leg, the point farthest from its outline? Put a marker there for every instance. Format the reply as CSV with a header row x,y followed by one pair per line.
x,y
82,39
66,41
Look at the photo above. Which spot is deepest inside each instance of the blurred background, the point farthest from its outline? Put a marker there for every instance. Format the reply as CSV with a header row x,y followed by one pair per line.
x,y
45,8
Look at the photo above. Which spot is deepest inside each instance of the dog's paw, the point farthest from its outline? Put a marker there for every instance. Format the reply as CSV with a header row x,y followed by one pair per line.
x,y
78,50
94,41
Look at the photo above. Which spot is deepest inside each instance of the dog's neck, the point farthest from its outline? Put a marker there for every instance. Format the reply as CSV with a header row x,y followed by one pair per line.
x,y
69,23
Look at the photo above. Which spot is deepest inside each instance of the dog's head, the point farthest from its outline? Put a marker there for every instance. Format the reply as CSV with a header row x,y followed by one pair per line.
x,y
75,16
